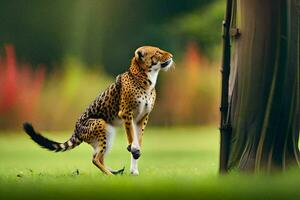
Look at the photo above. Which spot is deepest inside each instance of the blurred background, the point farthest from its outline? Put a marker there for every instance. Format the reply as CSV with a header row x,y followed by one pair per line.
x,y
56,56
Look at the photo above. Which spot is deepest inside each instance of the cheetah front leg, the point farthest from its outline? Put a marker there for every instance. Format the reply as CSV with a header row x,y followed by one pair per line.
x,y
142,125
132,132
139,131
140,128
135,151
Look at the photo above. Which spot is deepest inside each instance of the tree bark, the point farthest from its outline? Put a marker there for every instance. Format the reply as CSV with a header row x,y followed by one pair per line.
x,y
264,88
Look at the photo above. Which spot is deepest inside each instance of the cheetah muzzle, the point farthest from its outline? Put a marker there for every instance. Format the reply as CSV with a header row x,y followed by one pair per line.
x,y
165,64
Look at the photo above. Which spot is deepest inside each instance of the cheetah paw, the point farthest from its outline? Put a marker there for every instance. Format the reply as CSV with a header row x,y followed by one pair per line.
x,y
136,153
134,172
120,171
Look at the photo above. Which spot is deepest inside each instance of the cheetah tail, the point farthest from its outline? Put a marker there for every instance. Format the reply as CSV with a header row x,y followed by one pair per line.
x,y
49,144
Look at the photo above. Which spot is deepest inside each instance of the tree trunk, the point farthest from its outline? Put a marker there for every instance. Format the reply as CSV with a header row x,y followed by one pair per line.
x,y
264,86
225,128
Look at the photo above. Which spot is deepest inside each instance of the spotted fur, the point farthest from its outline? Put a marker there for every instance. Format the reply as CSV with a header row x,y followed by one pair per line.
x,y
129,101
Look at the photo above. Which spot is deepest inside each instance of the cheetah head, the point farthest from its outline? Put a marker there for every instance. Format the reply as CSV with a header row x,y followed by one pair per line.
x,y
153,58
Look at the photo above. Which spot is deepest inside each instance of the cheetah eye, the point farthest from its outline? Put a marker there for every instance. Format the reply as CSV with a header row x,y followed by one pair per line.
x,y
153,63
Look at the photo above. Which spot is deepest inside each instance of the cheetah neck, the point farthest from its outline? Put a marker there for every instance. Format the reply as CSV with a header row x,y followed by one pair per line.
x,y
152,76
146,79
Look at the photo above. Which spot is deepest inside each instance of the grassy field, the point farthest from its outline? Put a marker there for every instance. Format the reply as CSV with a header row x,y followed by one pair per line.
x,y
179,163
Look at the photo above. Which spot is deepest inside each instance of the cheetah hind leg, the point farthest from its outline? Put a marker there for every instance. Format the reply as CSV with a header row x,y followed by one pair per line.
x,y
103,133
98,160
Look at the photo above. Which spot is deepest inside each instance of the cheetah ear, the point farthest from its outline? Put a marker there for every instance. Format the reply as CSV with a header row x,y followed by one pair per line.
x,y
139,54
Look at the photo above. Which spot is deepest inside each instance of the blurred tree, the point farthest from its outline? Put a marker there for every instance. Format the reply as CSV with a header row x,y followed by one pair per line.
x,y
202,26
102,31
264,85
36,28
126,25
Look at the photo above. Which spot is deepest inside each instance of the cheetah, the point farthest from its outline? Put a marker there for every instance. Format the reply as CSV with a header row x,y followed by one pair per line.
x,y
128,101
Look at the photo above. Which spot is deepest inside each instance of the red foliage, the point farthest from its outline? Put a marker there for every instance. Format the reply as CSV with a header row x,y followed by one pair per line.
x,y
9,83
189,94
20,89
192,55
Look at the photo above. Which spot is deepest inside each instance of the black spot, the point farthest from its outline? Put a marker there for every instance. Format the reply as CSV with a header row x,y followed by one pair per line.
x,y
136,154
129,148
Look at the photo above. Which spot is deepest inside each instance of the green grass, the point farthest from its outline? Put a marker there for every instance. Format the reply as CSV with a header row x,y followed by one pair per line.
x,y
179,163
